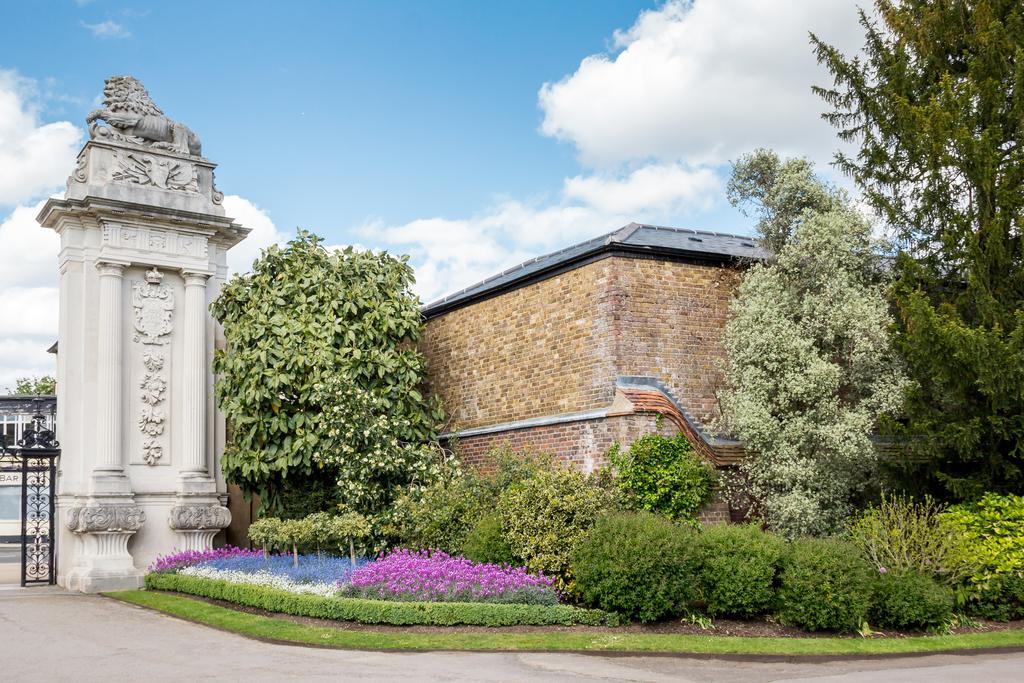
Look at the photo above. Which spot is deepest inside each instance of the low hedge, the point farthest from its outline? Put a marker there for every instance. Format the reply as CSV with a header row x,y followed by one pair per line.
x,y
381,611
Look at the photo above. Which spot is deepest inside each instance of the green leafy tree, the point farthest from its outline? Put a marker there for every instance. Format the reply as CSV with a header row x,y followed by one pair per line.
x,y
320,376
810,366
936,103
44,385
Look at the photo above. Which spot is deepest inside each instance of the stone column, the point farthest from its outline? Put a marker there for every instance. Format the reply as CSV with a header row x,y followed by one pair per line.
x,y
109,467
193,381
109,517
197,515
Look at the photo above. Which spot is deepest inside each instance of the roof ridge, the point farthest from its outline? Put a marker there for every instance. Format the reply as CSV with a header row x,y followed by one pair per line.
x,y
697,232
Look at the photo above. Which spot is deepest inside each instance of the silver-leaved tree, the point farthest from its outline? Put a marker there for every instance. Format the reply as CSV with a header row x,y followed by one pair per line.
x,y
810,365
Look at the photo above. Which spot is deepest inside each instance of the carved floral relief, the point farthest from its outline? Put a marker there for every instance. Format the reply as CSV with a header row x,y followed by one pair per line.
x,y
153,305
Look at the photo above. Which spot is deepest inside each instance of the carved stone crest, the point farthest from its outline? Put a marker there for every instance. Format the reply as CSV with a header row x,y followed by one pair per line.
x,y
161,172
153,304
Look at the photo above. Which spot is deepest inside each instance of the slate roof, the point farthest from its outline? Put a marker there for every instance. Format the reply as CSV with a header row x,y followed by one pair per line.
x,y
634,239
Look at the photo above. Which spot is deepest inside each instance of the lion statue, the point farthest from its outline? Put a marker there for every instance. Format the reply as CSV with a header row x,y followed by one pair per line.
x,y
133,117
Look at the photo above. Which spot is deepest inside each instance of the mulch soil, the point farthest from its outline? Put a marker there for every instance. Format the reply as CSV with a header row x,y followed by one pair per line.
x,y
721,627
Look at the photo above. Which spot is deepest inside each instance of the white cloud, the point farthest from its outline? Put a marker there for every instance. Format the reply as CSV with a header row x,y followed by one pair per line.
x,y
449,254
653,186
108,29
262,232
35,158
28,253
704,82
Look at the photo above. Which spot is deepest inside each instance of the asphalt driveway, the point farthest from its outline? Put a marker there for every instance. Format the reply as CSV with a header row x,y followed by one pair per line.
x,y
50,635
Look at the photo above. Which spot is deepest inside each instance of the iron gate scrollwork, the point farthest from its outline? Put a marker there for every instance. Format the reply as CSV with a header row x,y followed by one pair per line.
x,y
35,459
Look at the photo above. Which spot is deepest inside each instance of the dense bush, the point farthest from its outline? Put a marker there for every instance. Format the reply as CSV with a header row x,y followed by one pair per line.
x,y
545,517
1002,599
739,567
824,585
910,600
442,514
901,535
380,611
639,565
992,530
663,475
486,542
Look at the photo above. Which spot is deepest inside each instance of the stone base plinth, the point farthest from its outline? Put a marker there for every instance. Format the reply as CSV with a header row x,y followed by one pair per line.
x,y
196,523
103,563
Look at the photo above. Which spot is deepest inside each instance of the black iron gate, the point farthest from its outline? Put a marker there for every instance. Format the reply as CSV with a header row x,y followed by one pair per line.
x,y
34,461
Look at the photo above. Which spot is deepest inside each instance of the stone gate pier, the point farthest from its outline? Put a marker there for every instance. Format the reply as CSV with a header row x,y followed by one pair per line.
x,y
144,243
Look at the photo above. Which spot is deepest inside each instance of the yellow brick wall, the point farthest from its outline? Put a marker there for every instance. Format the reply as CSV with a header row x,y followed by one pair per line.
x,y
556,346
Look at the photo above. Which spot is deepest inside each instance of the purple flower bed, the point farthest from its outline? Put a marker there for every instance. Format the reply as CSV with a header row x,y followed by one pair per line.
x,y
437,576
187,558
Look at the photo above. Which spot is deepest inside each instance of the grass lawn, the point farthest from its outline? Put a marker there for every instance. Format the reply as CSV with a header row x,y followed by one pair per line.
x,y
285,630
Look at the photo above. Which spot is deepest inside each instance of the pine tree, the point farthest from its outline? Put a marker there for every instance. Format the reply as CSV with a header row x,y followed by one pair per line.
x,y
936,104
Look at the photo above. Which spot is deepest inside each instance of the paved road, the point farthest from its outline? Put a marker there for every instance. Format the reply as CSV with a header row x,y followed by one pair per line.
x,y
49,635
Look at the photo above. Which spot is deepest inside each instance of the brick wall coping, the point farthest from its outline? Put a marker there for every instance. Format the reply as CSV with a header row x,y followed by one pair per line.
x,y
528,423
633,395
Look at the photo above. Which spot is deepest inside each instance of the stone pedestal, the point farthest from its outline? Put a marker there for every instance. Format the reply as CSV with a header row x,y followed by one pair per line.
x,y
144,244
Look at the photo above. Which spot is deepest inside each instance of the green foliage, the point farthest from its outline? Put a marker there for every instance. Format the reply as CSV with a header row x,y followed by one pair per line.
x,y
545,517
810,368
303,494
934,103
901,535
992,530
663,475
44,385
321,371
486,542
266,532
739,568
639,565
389,612
824,585
1002,598
442,514
910,600
781,193
314,531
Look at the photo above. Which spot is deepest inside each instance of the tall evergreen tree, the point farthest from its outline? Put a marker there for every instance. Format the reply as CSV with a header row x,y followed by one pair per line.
x,y
936,104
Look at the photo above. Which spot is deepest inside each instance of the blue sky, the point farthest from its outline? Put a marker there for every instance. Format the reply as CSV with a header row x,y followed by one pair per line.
x,y
471,135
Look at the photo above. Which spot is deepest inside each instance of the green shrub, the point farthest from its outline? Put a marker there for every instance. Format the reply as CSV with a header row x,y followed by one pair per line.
x,y
824,585
441,515
380,611
663,475
992,530
1002,599
739,567
639,565
486,542
910,600
545,517
902,536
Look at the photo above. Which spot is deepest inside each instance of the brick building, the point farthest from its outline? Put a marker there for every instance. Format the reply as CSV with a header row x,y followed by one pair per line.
x,y
573,351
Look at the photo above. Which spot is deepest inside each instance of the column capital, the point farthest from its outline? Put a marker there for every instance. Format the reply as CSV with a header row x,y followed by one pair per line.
x,y
195,278
111,268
